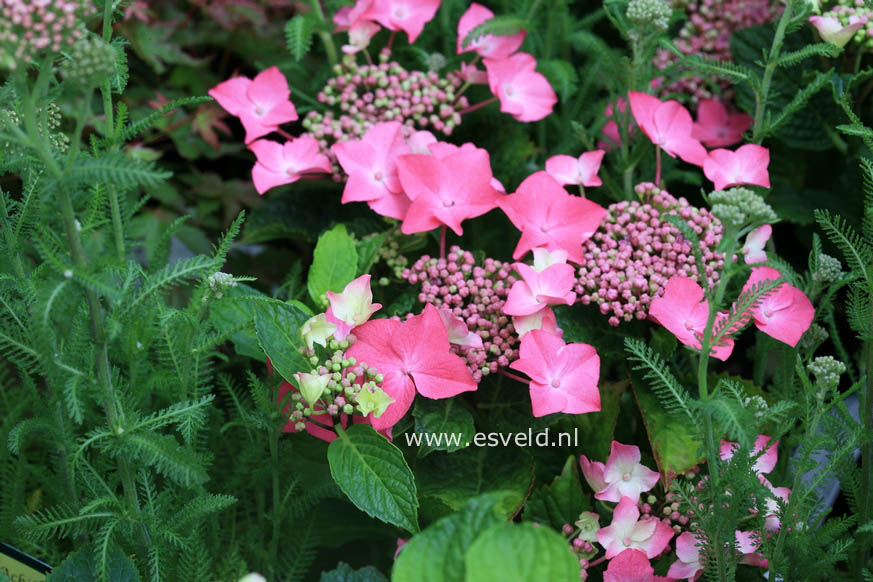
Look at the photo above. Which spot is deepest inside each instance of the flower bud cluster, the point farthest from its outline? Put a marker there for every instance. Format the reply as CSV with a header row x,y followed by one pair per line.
x,y
29,27
635,252
51,114
91,63
827,371
829,269
650,14
475,294
739,206
362,96
707,32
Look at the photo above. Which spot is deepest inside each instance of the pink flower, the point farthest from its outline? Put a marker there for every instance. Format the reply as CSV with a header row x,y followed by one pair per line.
x,y
352,307
280,164
715,127
360,29
753,250
747,165
536,290
765,463
523,93
668,125
624,475
548,216
771,520
459,333
628,531
688,566
487,45
593,473
262,104
631,566
684,311
563,376
410,16
582,170
785,313
833,31
748,543
420,142
438,196
473,74
371,163
413,356
543,319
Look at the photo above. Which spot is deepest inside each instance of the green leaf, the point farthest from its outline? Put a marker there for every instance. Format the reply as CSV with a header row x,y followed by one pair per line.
x,y
455,478
367,249
596,429
298,35
278,328
561,501
334,263
81,565
562,77
374,475
442,417
229,314
521,553
344,573
502,25
437,553
675,442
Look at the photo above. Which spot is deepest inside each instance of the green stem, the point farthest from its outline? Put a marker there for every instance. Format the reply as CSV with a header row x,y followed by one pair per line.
x,y
326,38
109,114
277,518
866,414
762,96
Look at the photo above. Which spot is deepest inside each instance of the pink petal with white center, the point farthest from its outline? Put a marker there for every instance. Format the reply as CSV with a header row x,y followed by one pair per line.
x,y
668,125
420,141
410,16
537,290
544,258
459,334
582,170
352,307
624,474
832,30
523,93
487,45
627,531
747,165
231,94
688,566
756,241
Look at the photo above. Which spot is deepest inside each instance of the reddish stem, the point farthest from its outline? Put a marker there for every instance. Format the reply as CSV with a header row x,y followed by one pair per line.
x,y
472,108
513,376
443,242
658,167
285,134
597,562
391,40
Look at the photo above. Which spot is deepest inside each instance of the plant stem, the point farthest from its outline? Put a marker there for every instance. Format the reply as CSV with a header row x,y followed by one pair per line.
x,y
515,377
479,105
277,518
326,38
657,166
866,416
443,242
762,96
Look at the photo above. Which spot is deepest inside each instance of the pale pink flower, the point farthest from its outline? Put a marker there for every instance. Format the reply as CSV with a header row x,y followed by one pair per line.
x,y
536,290
582,170
628,531
543,319
593,473
459,333
360,29
420,141
473,74
610,128
715,127
410,16
668,125
785,313
832,30
753,250
771,519
352,307
625,475
688,566
548,216
748,543
684,311
765,463
523,93
371,164
280,164
544,258
563,376
487,45
747,165
262,104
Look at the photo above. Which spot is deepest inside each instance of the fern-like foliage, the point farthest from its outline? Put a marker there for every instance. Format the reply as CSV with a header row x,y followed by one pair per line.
x,y
673,397
298,35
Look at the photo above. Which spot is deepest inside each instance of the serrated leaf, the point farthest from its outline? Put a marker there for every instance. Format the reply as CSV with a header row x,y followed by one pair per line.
x,y
278,329
82,565
561,501
344,573
437,553
334,263
442,417
521,553
502,25
298,35
374,476
562,77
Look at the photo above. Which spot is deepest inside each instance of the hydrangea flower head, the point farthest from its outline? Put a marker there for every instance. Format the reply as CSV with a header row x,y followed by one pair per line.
x,y
747,165
262,104
716,128
628,531
410,16
784,314
536,290
624,475
582,170
280,164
